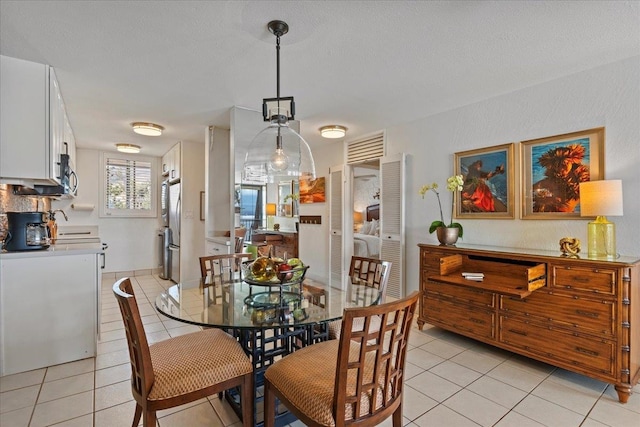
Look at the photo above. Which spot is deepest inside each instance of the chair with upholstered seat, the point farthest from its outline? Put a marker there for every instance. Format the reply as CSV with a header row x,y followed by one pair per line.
x,y
182,369
354,380
370,272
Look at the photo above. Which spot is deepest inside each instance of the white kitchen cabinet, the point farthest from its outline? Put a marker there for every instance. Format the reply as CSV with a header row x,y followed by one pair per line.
x,y
48,309
32,123
217,247
171,163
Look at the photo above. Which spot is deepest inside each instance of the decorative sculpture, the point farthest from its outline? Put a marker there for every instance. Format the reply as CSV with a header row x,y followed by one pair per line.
x,y
570,246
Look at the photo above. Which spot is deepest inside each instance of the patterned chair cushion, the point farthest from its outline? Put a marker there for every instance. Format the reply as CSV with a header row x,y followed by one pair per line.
x,y
193,361
311,389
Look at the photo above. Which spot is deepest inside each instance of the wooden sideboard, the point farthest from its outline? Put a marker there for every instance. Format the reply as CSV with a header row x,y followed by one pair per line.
x,y
283,242
579,314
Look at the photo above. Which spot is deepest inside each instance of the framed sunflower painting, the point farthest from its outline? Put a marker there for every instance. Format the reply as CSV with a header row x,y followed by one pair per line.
x,y
554,167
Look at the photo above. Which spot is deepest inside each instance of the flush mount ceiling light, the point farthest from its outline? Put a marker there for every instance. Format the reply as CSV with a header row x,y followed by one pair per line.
x,y
333,131
128,148
147,129
278,153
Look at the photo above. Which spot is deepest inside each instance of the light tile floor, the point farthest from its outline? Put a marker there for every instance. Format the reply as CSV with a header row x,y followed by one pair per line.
x,y
450,381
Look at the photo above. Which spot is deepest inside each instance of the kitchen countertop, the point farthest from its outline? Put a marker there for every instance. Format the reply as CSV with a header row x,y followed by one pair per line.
x,y
223,240
56,250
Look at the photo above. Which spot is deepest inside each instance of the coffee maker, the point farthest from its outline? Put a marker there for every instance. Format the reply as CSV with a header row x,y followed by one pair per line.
x,y
27,231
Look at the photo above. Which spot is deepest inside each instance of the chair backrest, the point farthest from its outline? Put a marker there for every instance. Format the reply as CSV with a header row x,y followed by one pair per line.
x,y
371,360
239,244
217,265
142,376
373,272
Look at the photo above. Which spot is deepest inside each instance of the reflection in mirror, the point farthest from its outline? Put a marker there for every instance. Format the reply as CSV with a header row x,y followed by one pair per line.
x,y
288,196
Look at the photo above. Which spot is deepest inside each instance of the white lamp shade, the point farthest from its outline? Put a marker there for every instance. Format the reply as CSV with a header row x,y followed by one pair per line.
x,y
601,198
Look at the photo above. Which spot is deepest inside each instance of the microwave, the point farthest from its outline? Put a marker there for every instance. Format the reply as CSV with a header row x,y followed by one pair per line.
x,y
68,183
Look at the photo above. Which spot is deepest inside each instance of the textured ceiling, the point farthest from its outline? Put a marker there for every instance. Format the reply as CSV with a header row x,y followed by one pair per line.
x,y
366,65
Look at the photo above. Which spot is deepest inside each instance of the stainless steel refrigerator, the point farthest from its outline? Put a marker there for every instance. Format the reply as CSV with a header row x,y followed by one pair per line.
x,y
174,230
164,232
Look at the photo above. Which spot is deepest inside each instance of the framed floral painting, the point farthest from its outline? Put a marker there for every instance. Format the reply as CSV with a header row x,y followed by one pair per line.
x,y
488,175
554,167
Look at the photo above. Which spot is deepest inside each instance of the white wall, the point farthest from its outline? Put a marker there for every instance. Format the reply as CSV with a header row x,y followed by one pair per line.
x,y
191,227
606,96
313,243
133,243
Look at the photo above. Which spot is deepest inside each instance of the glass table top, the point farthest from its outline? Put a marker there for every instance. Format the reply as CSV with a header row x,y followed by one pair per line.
x,y
237,304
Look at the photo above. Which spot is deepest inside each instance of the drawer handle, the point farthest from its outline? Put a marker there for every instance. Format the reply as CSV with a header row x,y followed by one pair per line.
x,y
518,332
581,279
585,351
587,313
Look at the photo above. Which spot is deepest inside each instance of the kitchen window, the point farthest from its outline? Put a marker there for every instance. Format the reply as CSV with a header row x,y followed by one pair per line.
x,y
128,186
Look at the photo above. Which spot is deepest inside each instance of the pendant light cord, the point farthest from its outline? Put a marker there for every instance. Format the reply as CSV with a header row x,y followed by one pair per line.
x,y
278,70
279,137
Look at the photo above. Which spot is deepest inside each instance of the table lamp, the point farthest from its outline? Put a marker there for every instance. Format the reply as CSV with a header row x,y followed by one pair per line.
x,y
599,199
271,212
357,219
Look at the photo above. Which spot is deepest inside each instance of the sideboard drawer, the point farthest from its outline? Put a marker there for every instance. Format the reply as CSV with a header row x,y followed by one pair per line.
x,y
431,259
465,320
559,345
581,314
459,294
585,279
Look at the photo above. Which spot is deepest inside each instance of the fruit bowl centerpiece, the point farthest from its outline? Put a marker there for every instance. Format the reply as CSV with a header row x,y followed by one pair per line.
x,y
267,271
282,303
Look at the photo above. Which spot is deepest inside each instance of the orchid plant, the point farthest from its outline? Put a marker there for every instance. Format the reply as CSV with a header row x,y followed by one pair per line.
x,y
454,183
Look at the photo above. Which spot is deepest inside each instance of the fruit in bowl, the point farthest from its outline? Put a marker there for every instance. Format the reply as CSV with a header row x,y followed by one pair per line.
x,y
284,272
296,263
263,269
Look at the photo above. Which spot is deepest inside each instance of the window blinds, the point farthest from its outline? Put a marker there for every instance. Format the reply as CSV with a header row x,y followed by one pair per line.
x,y
128,185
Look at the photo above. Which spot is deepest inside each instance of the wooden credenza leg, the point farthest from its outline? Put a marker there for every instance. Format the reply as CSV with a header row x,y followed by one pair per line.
x,y
624,391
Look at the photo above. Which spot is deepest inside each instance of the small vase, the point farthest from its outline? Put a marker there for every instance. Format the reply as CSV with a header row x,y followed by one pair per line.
x,y
447,235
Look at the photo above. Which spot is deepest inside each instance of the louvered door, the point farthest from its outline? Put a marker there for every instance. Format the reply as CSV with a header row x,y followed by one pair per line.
x,y
392,213
336,175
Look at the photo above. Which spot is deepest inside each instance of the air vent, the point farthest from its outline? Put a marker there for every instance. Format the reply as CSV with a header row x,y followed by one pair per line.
x,y
367,148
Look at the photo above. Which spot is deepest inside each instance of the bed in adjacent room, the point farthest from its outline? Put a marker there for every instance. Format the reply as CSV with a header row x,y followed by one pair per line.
x,y
366,242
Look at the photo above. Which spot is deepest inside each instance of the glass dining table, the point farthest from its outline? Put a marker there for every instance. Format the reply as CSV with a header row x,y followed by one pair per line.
x,y
270,320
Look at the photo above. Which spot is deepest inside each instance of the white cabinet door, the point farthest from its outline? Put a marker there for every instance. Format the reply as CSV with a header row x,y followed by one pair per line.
x,y
57,125
48,309
336,253
213,248
24,122
392,213
32,123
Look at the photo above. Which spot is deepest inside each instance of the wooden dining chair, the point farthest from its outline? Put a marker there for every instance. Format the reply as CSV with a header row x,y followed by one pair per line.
x,y
182,369
354,380
217,264
370,272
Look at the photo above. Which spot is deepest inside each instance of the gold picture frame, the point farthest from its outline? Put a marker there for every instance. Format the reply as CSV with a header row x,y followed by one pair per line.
x,y
489,181
552,169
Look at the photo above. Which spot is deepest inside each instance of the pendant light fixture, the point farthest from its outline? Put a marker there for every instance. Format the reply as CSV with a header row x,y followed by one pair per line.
x,y
278,152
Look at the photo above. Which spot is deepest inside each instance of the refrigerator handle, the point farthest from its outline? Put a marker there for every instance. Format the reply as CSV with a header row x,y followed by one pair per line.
x,y
179,210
